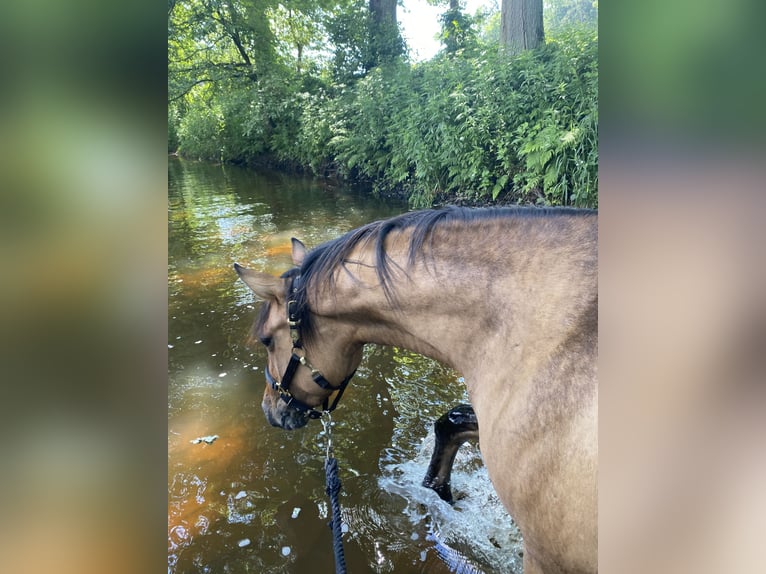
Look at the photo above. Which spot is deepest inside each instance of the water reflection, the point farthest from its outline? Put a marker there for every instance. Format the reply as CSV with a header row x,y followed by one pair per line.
x,y
253,500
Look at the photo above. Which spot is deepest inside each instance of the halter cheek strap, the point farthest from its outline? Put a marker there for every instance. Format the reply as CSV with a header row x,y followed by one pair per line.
x,y
283,386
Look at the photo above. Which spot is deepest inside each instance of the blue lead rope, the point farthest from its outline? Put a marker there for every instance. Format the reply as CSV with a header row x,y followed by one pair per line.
x,y
333,490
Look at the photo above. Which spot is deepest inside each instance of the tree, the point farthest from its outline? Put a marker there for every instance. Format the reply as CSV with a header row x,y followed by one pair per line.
x,y
385,42
521,25
457,28
295,30
348,32
211,41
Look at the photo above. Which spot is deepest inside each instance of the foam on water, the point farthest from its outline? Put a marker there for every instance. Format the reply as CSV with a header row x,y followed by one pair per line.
x,y
475,535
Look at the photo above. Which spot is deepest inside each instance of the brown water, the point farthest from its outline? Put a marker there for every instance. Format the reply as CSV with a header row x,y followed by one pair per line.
x,y
253,500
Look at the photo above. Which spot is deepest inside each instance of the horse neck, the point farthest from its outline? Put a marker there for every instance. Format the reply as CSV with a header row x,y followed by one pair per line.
x,y
474,296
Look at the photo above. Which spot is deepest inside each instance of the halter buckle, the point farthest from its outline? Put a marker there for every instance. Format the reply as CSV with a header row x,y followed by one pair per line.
x,y
310,367
294,322
292,314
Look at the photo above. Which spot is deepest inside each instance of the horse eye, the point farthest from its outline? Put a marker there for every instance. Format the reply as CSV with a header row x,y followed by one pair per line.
x,y
266,342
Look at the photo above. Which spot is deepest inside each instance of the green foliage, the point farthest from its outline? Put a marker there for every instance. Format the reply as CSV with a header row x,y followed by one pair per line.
x,y
560,147
457,30
472,123
172,129
478,127
200,131
559,15
348,32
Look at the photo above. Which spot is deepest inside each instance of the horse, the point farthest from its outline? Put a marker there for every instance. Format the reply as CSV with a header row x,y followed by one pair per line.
x,y
451,430
508,297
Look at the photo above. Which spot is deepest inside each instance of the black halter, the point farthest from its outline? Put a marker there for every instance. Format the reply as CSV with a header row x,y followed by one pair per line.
x,y
283,387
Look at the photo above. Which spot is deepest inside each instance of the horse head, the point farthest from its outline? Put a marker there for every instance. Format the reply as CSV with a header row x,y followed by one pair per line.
x,y
307,361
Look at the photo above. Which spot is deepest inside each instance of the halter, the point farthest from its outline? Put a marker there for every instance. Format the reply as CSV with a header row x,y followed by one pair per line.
x,y
283,386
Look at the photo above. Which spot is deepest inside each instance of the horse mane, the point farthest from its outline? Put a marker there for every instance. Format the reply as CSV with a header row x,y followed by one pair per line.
x,y
320,263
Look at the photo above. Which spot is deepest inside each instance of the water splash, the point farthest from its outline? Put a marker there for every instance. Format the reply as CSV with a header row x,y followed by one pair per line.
x,y
454,559
473,536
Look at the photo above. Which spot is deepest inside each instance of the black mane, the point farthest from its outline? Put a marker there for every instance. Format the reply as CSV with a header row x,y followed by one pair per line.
x,y
321,262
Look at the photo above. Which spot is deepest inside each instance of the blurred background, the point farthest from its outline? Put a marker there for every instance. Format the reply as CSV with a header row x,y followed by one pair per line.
x,y
682,322
83,218
83,222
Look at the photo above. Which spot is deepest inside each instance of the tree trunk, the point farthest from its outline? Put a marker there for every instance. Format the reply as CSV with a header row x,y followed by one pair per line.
x,y
383,11
385,42
521,25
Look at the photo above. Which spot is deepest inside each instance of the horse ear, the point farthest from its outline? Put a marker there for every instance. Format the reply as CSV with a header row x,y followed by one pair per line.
x,y
265,286
299,251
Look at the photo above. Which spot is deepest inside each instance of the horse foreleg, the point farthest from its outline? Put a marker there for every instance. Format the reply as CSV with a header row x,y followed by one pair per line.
x,y
452,429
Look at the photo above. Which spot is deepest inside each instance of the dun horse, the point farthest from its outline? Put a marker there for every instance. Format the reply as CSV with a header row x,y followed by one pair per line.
x,y
508,298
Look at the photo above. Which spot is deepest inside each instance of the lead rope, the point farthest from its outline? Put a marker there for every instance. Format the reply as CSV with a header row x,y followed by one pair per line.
x,y
333,489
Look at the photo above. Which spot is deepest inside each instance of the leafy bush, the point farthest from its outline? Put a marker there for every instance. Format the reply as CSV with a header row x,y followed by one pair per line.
x,y
200,131
559,143
172,129
478,127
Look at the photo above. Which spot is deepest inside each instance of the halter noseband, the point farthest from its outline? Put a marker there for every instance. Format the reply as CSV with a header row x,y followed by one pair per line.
x,y
283,387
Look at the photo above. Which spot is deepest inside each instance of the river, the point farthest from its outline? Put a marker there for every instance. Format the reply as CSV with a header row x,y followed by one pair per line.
x,y
253,500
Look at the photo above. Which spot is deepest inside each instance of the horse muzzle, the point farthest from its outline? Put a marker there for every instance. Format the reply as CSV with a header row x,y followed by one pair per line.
x,y
283,415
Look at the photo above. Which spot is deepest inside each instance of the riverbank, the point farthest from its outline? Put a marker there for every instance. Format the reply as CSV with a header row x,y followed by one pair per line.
x,y
475,126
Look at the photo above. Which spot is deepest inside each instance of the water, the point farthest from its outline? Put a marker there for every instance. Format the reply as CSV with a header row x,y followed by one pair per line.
x,y
253,499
